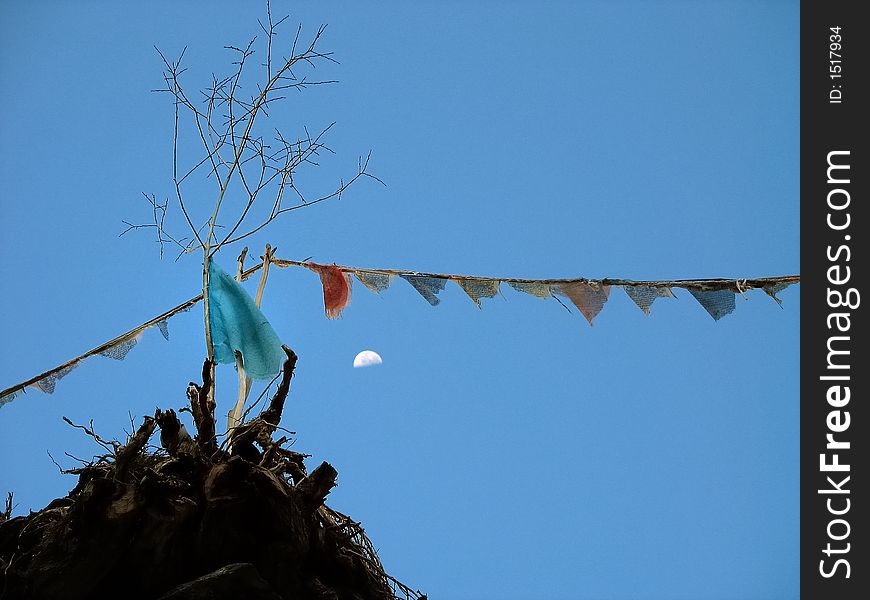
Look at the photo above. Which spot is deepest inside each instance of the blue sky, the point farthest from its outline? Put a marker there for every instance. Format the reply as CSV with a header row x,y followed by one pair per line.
x,y
512,452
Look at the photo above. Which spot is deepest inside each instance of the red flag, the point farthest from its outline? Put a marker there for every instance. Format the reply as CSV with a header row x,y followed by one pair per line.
x,y
336,288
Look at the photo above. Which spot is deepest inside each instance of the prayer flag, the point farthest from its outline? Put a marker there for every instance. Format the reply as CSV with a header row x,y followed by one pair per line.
x,y
716,302
427,286
773,289
376,282
589,298
540,290
644,296
336,288
479,288
48,383
163,326
120,350
237,325
10,396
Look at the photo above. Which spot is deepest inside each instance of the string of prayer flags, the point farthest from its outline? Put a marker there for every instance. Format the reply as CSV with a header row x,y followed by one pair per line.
x,y
428,287
479,288
716,296
336,288
237,325
644,296
539,290
588,297
376,282
716,302
117,349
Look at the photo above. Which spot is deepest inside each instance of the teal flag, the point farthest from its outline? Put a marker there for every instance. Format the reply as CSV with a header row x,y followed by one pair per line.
x,y
238,325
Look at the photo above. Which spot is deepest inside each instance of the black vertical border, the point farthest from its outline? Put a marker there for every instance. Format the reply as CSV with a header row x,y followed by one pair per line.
x,y
828,126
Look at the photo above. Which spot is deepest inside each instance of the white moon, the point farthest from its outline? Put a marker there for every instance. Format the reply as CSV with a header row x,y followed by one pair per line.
x,y
366,358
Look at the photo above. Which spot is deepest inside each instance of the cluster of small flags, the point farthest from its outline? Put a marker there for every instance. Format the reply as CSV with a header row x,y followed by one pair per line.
x,y
716,296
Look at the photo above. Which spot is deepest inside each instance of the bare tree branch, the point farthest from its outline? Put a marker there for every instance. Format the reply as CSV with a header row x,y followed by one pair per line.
x,y
222,133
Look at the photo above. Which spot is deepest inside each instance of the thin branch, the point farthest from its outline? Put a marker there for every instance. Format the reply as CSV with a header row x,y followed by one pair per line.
x,y
174,87
158,213
226,122
112,446
337,193
6,514
307,55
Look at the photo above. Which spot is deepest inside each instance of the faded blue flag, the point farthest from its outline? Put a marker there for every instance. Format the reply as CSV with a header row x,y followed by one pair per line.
x,y
48,383
716,302
376,282
644,296
10,396
237,325
163,326
428,287
120,350
773,289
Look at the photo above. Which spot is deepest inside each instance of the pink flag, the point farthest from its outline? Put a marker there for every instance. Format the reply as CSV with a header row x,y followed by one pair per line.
x,y
336,288
589,298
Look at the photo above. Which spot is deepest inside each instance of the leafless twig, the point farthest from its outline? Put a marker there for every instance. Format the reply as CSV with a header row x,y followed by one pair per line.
x,y
6,514
247,163
158,211
112,446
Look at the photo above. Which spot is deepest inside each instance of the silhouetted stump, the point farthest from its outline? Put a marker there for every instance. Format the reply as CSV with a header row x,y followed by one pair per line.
x,y
194,522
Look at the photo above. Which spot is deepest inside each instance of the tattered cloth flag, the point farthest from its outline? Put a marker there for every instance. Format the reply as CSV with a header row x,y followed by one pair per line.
x,y
589,298
427,286
11,395
773,289
336,288
120,350
539,290
716,302
479,288
237,325
644,296
163,326
48,383
376,282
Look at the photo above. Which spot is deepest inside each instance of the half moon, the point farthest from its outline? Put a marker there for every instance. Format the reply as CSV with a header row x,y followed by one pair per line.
x,y
367,358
